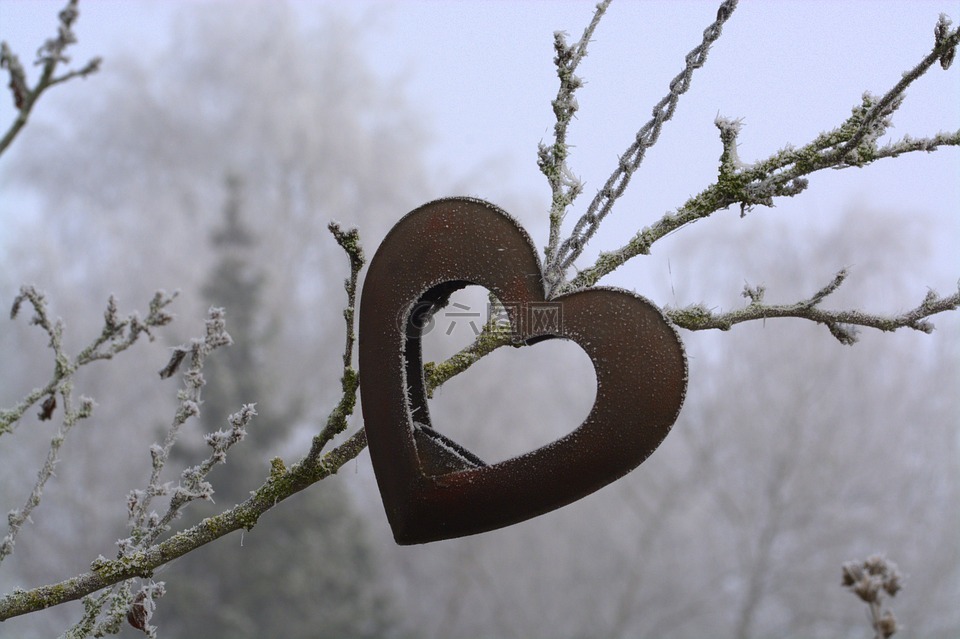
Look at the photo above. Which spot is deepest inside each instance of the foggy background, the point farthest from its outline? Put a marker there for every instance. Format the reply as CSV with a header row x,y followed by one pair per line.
x,y
792,453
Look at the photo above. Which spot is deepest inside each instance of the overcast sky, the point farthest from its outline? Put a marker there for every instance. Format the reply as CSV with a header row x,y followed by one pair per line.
x,y
481,73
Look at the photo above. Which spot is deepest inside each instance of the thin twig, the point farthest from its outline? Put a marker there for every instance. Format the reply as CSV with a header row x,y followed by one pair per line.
x,y
841,324
147,527
552,160
116,336
585,228
49,56
350,380
144,524
104,572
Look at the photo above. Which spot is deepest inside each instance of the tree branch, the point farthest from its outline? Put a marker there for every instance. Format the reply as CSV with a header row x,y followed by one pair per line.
x,y
556,266
853,143
138,558
104,572
350,380
49,56
552,160
116,336
492,337
137,561
842,325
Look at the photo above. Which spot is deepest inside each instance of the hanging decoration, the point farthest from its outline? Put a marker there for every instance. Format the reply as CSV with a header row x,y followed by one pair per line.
x,y
433,488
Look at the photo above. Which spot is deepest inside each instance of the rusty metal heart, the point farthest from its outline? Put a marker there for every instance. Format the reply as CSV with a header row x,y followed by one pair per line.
x,y
433,488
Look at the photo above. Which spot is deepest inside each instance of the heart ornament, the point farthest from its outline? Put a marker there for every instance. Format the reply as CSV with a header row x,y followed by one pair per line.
x,y
433,488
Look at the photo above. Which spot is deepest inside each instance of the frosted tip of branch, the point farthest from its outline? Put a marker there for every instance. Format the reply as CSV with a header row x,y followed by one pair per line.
x,y
941,34
728,124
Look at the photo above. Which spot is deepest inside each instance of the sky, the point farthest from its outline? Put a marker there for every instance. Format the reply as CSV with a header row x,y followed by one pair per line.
x,y
482,76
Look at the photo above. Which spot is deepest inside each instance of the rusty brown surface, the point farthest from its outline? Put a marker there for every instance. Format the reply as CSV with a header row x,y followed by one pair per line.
x,y
434,489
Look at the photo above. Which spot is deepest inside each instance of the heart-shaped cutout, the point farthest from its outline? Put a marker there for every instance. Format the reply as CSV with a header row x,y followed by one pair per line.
x,y
433,488
548,388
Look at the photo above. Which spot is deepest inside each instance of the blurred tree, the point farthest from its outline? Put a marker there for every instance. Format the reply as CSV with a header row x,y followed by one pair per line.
x,y
307,569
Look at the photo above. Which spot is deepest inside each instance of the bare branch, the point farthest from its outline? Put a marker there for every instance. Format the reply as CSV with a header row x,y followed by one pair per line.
x,y
49,56
116,336
841,324
552,160
140,555
146,525
104,572
16,518
492,337
350,380
557,265
783,174
193,486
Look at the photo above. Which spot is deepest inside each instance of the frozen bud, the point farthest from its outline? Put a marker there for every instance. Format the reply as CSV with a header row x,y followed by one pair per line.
x,y
190,408
851,573
876,565
133,501
892,584
175,359
886,626
86,407
867,588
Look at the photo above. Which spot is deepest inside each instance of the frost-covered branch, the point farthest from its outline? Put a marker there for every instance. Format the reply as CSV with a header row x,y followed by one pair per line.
x,y
842,324
147,525
116,336
19,516
853,143
140,554
349,380
556,265
492,337
49,57
552,160
104,573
